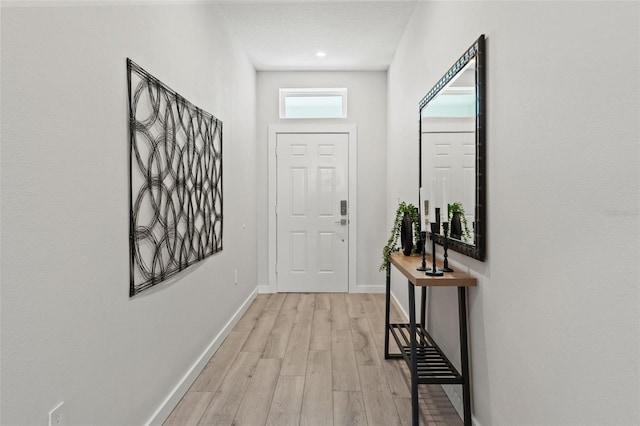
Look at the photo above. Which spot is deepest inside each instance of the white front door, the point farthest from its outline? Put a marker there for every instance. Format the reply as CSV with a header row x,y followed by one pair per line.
x,y
312,209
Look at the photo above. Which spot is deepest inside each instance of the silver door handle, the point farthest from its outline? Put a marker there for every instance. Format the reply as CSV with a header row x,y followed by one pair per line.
x,y
342,222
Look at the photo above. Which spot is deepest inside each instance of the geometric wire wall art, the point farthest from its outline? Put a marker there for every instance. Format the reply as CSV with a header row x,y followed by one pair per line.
x,y
175,181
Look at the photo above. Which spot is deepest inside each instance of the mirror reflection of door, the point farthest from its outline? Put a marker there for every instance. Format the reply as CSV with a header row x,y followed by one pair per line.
x,y
312,233
449,153
449,146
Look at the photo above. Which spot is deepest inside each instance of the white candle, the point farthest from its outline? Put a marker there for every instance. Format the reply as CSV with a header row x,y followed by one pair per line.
x,y
432,199
445,200
425,208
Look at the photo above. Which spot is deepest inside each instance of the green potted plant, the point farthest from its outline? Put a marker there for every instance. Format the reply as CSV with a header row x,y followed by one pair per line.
x,y
459,228
392,244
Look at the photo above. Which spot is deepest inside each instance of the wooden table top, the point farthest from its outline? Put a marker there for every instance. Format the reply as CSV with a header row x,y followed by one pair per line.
x,y
407,266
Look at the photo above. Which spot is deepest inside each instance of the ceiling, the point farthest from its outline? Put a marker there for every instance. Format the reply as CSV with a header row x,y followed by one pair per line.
x,y
286,34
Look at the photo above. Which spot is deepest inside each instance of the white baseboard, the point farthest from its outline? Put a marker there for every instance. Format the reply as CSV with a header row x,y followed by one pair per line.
x,y
264,288
174,397
452,392
368,289
399,306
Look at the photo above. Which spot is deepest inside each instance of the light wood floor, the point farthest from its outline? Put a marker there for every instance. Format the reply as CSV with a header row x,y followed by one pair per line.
x,y
309,359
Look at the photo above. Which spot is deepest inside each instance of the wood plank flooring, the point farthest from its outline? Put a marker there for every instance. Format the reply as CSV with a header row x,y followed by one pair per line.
x,y
309,359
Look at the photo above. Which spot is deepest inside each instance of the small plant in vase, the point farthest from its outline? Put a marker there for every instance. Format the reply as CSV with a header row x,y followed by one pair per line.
x,y
403,210
459,228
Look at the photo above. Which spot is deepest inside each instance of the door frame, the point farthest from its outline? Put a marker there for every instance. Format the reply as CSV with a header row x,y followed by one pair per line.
x,y
274,130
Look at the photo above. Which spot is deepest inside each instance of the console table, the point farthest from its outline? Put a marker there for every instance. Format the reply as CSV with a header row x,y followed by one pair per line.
x,y
427,363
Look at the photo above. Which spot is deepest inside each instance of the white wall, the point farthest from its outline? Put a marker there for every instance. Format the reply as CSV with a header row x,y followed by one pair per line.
x,y
69,329
554,321
367,101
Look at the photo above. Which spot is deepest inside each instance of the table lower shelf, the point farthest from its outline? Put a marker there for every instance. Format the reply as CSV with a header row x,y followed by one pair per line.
x,y
433,365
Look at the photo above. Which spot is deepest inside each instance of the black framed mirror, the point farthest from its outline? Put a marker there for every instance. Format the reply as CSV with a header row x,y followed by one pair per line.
x,y
452,151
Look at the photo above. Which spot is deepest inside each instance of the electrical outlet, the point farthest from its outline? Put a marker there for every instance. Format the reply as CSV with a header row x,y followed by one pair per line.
x,y
58,415
235,277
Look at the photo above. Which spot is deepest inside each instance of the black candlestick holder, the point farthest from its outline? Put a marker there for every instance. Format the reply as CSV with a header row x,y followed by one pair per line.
x,y
423,238
433,272
445,227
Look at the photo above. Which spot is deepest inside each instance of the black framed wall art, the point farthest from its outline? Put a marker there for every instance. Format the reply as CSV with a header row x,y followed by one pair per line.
x,y
175,181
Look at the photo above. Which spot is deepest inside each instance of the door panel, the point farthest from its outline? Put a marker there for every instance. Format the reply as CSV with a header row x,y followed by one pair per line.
x,y
298,200
312,234
326,191
452,157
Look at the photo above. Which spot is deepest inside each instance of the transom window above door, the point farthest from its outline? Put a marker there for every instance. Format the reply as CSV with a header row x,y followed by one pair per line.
x,y
313,103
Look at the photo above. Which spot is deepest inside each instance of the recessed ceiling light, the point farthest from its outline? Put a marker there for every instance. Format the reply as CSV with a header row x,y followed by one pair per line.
x,y
321,54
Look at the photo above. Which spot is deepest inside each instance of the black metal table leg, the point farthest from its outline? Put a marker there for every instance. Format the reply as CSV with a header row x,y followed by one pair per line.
x,y
423,307
386,313
415,414
423,312
464,354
